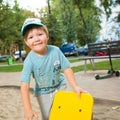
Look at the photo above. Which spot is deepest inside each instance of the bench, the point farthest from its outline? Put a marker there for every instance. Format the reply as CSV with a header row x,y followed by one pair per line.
x,y
100,51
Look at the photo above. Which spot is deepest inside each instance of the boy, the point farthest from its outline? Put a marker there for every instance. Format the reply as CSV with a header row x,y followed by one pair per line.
x,y
45,63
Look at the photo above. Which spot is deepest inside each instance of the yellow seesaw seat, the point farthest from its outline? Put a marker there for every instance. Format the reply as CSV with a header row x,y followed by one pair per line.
x,y
68,106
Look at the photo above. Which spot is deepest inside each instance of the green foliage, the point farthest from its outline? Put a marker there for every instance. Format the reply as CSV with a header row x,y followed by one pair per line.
x,y
68,19
71,20
89,22
54,31
11,20
107,5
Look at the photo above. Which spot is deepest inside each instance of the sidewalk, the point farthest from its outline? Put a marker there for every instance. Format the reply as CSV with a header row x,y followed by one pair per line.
x,y
108,88
105,88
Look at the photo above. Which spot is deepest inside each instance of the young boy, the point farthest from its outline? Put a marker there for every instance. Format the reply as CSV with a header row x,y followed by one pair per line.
x,y
45,63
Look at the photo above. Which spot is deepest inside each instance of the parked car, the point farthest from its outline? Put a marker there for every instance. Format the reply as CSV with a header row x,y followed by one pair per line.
x,y
83,50
17,56
4,58
69,49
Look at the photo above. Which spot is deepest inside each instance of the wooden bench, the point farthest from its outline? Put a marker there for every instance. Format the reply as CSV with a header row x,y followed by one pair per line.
x,y
100,51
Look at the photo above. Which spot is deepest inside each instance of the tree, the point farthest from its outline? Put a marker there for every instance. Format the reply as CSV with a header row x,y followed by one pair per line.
x,y
108,5
71,20
11,19
5,25
52,23
89,21
77,20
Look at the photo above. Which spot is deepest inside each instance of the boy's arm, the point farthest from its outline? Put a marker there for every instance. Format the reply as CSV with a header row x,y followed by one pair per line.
x,y
71,78
29,113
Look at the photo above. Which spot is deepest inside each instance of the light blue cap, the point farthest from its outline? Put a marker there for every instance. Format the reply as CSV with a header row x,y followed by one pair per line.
x,y
31,21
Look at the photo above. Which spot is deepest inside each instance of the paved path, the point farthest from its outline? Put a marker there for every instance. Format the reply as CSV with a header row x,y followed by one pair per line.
x,y
108,88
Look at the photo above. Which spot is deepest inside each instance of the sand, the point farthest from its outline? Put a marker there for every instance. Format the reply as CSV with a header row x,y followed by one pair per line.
x,y
11,106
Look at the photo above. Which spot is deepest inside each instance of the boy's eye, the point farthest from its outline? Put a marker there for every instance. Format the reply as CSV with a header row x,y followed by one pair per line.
x,y
30,37
40,34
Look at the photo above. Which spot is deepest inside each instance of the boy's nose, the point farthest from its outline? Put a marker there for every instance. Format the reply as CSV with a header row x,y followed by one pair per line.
x,y
37,38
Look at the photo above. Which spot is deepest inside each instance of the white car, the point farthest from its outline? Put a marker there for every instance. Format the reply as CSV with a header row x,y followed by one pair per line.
x,y
17,56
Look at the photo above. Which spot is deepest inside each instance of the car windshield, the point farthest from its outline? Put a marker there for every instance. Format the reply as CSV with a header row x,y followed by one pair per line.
x,y
86,46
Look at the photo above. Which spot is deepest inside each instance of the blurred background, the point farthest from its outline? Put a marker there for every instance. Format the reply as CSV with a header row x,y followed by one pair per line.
x,y
71,23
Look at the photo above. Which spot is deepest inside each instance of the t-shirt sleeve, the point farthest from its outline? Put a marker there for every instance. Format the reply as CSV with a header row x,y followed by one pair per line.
x,y
27,70
64,61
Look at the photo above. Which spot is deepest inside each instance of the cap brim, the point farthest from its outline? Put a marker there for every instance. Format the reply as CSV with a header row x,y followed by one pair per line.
x,y
26,25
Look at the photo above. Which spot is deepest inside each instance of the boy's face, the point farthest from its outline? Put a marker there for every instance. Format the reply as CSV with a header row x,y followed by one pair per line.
x,y
37,40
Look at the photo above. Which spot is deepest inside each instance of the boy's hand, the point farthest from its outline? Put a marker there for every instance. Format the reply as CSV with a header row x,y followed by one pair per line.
x,y
30,115
79,90
35,115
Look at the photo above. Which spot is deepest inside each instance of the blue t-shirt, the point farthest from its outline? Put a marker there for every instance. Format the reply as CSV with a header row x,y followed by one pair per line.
x,y
46,70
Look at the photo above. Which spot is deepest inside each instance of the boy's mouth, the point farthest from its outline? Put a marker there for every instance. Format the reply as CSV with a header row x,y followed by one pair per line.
x,y
37,43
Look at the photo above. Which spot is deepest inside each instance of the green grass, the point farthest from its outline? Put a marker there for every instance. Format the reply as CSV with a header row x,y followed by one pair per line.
x,y
104,65
11,68
74,60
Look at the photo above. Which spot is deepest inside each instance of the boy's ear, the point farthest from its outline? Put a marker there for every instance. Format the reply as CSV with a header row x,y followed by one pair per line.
x,y
47,37
26,42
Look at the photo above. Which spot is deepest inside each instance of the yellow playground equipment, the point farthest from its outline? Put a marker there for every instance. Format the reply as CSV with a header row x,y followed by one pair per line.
x,y
68,106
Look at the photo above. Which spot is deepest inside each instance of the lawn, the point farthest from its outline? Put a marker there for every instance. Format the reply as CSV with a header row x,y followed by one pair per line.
x,y
104,65
11,68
